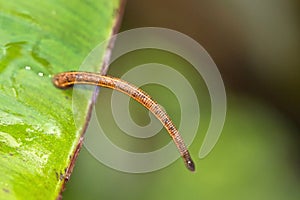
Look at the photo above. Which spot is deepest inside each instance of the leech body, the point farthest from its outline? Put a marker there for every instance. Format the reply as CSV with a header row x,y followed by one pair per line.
x,y
67,79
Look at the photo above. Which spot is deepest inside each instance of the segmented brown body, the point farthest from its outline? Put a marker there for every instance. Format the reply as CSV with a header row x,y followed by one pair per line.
x,y
67,79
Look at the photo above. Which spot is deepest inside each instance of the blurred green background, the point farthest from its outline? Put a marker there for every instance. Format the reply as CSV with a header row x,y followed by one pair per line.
x,y
256,46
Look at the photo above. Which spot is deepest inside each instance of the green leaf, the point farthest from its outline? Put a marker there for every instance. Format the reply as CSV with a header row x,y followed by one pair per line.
x,y
38,136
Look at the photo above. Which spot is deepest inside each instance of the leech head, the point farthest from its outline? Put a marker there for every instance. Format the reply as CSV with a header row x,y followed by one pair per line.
x,y
190,165
188,161
63,80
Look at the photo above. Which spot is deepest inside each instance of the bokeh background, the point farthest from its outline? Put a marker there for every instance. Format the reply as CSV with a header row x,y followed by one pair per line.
x,y
256,46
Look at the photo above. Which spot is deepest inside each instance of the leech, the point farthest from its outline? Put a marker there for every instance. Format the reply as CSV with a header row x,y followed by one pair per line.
x,y
68,79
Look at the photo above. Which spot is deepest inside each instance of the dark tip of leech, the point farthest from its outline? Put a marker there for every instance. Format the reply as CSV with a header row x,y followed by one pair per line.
x,y
190,165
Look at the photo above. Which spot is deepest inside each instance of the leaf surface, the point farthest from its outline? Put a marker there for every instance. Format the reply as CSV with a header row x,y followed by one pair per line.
x,y
38,136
